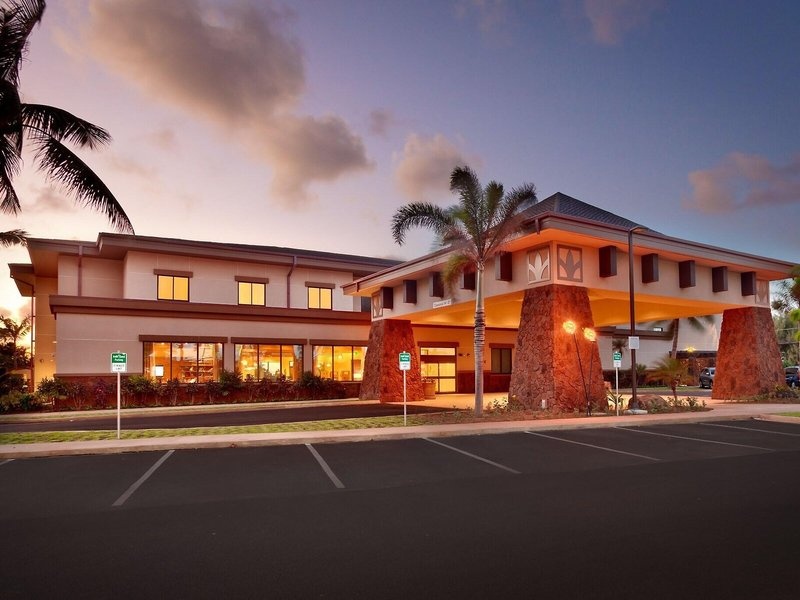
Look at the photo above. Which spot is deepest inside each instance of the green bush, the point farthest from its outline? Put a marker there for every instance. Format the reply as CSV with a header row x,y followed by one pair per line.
x,y
50,390
17,401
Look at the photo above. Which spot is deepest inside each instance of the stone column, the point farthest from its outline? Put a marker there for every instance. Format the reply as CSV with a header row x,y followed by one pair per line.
x,y
748,359
383,379
546,363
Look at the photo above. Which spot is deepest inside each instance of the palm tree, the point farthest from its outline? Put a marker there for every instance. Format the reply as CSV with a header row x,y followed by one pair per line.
x,y
671,371
45,128
476,229
696,323
13,237
11,332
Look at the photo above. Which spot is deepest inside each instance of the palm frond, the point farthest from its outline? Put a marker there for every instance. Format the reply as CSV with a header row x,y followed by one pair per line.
x,y
63,125
15,237
64,167
508,219
700,323
453,269
465,182
9,166
18,20
420,214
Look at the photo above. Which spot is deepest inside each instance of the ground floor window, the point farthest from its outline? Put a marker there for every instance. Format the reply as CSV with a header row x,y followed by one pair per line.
x,y
342,363
439,364
269,361
501,360
188,362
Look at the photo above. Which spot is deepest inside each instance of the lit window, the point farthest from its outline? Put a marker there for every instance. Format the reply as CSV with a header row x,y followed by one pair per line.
x,y
252,293
269,361
173,287
342,363
320,297
188,362
501,360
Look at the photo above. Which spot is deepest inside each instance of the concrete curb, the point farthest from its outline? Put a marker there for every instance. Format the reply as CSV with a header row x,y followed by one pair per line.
x,y
352,435
779,419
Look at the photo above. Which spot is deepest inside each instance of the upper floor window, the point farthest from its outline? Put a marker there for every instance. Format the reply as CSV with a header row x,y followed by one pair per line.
x,y
252,292
173,287
320,297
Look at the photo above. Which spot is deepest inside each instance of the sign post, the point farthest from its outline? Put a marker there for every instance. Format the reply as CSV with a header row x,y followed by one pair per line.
x,y
119,365
617,365
405,365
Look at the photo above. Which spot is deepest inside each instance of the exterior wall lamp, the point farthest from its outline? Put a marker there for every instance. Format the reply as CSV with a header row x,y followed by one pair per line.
x,y
591,336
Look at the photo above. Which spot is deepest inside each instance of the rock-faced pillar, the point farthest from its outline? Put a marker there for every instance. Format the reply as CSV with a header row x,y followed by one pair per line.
x,y
546,365
383,379
748,359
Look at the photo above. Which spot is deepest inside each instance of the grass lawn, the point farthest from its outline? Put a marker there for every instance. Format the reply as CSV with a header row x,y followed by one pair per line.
x,y
791,414
31,437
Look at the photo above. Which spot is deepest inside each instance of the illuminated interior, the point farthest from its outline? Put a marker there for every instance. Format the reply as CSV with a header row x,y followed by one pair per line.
x,y
439,364
320,298
252,293
172,287
341,363
269,361
188,362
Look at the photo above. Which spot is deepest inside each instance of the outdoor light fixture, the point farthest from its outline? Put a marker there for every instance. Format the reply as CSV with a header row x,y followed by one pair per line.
x,y
589,334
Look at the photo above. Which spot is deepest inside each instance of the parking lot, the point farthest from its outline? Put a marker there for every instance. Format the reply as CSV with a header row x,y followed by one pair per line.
x,y
343,514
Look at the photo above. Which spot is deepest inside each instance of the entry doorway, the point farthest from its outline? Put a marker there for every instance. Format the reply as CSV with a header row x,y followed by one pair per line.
x,y
439,363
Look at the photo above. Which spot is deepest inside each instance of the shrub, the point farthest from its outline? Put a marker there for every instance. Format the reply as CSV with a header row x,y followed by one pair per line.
x,y
17,401
137,388
50,390
77,392
229,381
101,390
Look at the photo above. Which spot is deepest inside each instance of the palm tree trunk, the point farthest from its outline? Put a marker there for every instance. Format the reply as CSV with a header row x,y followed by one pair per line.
x,y
480,335
676,325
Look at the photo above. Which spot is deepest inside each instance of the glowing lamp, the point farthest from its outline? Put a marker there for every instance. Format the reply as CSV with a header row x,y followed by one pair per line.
x,y
570,327
590,334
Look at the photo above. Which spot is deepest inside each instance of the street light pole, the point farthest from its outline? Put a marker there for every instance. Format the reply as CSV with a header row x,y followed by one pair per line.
x,y
633,401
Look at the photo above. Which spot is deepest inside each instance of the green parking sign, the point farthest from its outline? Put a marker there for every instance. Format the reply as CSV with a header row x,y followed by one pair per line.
x,y
119,362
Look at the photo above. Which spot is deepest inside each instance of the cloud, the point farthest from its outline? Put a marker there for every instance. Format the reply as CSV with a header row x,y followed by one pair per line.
x,y
47,200
129,166
743,181
425,164
491,15
236,66
302,149
164,139
380,120
612,19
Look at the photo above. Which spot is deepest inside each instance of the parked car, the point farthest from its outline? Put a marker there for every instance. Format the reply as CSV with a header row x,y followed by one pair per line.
x,y
707,377
793,376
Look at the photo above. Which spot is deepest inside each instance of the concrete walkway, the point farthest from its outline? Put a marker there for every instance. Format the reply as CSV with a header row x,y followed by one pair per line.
x,y
720,411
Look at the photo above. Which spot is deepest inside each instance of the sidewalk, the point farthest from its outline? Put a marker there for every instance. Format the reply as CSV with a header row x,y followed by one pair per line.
x,y
721,411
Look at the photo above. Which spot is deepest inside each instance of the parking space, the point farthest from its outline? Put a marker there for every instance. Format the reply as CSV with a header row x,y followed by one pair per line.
x,y
65,485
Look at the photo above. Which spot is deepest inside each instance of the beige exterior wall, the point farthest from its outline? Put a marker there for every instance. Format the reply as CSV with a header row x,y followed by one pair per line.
x,y
213,281
463,336
85,342
44,330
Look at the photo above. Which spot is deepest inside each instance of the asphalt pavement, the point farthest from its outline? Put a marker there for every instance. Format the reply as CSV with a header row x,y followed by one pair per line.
x,y
701,510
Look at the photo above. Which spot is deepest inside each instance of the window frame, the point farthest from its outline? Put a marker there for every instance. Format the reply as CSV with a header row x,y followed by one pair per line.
x,y
280,346
168,374
501,351
172,287
239,284
318,289
332,348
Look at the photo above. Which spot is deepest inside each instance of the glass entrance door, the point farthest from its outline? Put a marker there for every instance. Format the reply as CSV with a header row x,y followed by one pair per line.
x,y
439,364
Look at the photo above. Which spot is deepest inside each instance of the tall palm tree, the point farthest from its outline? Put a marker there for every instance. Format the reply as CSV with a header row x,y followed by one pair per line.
x,y
476,229
45,129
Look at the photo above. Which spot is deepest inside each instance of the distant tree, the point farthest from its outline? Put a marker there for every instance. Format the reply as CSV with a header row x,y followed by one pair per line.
x,y
44,128
476,229
671,371
619,344
11,332
787,320
674,326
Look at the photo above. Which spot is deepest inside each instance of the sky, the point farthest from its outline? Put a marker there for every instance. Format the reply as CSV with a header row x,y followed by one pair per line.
x,y
307,124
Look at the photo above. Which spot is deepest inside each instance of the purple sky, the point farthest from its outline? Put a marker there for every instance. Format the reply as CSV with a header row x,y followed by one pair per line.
x,y
306,124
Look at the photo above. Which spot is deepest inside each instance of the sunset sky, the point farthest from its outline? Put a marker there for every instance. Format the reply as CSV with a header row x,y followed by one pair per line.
x,y
307,124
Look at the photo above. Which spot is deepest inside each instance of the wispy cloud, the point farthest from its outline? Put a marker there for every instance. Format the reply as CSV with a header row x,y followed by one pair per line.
x,y
425,163
234,65
46,199
742,181
380,120
611,20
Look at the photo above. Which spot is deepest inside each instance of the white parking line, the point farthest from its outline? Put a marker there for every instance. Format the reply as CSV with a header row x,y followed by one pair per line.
x,y
750,429
693,439
552,437
129,492
6,461
328,471
475,456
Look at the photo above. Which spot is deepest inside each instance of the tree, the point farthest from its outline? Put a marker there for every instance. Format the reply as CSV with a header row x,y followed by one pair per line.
x,y
476,229
44,128
672,372
696,323
787,305
11,332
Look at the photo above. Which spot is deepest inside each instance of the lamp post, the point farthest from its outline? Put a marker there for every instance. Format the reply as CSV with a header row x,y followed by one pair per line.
x,y
589,334
633,402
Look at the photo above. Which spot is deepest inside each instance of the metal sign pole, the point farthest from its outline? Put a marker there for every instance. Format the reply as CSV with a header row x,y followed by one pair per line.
x,y
405,415
616,375
119,403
